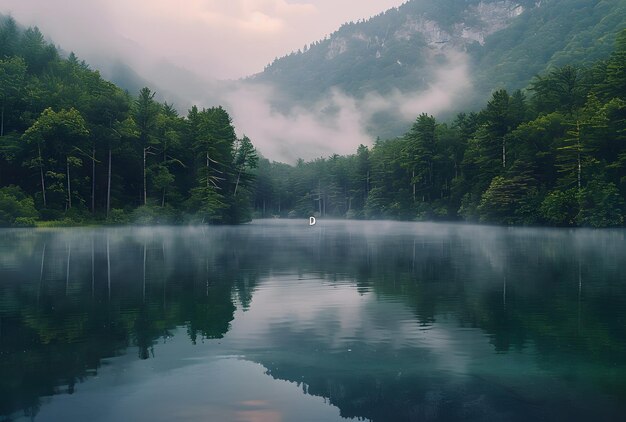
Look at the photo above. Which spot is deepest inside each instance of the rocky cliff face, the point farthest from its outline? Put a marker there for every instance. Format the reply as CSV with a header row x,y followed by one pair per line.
x,y
476,22
402,49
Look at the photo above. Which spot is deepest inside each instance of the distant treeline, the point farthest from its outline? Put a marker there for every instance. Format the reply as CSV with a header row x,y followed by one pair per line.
x,y
552,154
76,148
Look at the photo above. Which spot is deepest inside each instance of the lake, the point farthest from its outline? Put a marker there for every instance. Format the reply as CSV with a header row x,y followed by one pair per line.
x,y
279,321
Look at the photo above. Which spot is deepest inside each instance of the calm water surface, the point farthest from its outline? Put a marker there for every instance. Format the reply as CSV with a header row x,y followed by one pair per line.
x,y
278,321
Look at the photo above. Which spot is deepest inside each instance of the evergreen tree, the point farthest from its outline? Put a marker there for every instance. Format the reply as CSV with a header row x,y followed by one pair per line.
x,y
419,156
12,82
146,112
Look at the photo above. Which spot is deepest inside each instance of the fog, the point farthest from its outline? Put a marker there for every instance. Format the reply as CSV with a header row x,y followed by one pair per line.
x,y
312,132
194,55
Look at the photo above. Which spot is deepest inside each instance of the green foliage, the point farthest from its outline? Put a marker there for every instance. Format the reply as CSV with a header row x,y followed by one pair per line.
x,y
57,127
555,34
77,215
615,81
12,83
560,208
517,161
83,148
206,205
563,90
418,155
469,207
499,201
16,208
601,205
25,222
117,217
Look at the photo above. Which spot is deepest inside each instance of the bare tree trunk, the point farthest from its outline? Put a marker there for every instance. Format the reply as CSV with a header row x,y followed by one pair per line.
x,y
43,182
109,185
413,183
319,197
237,184
208,168
2,124
69,186
503,153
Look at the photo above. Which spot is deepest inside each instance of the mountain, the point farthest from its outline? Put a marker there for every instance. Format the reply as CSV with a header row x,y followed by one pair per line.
x,y
553,33
399,48
506,44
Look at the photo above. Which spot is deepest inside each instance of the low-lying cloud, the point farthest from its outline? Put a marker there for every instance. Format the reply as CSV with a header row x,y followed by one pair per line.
x,y
301,132
450,85
312,132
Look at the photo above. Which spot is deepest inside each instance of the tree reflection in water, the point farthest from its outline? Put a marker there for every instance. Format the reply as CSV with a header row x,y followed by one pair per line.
x,y
515,307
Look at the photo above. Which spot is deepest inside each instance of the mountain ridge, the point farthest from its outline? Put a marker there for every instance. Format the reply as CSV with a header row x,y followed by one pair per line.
x,y
507,42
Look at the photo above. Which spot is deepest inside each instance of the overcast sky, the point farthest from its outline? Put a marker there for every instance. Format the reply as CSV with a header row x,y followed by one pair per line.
x,y
223,39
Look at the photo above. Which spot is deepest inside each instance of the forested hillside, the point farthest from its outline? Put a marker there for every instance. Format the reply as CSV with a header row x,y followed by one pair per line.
x,y
554,33
400,48
553,154
508,42
76,148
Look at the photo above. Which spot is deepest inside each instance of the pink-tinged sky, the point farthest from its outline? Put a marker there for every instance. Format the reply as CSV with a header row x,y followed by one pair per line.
x,y
222,39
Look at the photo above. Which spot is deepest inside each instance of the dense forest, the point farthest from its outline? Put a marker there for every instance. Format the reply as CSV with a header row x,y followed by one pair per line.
x,y
553,154
76,148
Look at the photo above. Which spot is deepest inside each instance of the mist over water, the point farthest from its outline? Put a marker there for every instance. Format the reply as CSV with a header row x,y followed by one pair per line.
x,y
282,321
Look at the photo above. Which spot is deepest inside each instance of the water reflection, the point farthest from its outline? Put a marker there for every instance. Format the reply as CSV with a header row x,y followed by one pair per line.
x,y
384,321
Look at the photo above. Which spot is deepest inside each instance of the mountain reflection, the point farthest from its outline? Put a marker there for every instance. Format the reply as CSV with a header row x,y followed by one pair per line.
x,y
386,321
